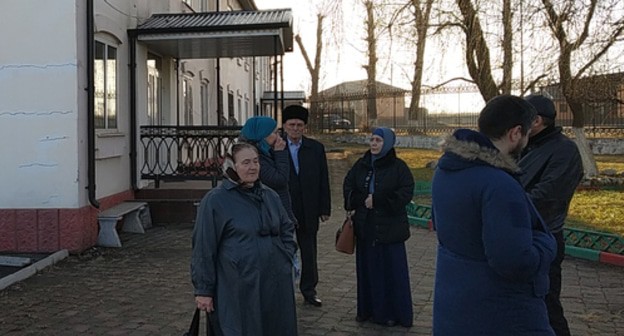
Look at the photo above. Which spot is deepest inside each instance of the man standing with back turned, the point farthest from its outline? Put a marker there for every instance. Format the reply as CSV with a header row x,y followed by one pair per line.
x,y
309,193
494,250
552,170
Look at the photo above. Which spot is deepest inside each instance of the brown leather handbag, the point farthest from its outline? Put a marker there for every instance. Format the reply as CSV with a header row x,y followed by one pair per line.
x,y
345,237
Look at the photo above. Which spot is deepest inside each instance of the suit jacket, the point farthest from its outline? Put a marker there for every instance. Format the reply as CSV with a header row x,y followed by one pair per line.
x,y
309,190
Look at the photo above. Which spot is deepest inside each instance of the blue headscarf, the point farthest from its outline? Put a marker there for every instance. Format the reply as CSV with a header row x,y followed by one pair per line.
x,y
389,139
256,129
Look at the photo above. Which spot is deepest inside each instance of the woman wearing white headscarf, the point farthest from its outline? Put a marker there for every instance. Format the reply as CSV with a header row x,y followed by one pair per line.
x,y
377,189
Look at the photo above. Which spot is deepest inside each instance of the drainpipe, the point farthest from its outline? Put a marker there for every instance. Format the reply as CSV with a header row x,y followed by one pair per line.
x,y
219,95
275,78
133,114
178,92
253,83
281,58
91,106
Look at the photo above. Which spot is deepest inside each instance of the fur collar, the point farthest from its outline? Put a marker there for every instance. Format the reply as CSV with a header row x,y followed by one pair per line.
x,y
472,151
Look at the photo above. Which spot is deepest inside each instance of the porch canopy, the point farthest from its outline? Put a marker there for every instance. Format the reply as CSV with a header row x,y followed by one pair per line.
x,y
218,34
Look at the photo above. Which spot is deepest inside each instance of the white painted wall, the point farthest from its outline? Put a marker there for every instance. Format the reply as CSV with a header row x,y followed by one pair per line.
x,y
112,146
38,105
43,109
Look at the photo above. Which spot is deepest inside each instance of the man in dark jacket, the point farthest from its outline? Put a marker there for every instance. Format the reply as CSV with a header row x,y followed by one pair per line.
x,y
552,170
309,193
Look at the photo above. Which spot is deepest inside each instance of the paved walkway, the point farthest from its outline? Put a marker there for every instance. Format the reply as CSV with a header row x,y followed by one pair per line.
x,y
144,289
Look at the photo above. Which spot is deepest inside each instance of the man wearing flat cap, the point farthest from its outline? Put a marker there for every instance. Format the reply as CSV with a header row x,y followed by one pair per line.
x,y
552,169
309,193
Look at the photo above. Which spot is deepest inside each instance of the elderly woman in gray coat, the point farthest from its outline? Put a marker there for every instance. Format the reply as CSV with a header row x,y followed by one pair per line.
x,y
243,248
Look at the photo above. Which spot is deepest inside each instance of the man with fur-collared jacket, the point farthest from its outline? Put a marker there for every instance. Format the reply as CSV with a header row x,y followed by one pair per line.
x,y
494,250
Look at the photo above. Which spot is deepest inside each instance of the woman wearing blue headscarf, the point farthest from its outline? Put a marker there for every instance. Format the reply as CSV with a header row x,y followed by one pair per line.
x,y
274,161
377,188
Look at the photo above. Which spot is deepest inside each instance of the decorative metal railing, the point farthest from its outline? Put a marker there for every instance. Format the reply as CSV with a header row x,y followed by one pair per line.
x,y
185,152
420,215
599,241
422,188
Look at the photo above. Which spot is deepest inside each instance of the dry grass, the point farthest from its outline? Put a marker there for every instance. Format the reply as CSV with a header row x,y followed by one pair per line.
x,y
598,210
610,162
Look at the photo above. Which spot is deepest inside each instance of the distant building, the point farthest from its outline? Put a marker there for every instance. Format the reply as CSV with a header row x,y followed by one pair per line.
x,y
602,99
349,100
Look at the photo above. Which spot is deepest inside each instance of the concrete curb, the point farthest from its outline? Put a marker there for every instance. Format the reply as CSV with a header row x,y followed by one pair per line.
x,y
612,258
594,255
33,269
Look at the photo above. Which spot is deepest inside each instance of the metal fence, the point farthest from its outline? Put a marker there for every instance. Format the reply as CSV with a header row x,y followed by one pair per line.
x,y
443,110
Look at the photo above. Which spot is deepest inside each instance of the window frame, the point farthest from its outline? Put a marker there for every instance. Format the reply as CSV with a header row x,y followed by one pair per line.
x,y
106,122
187,99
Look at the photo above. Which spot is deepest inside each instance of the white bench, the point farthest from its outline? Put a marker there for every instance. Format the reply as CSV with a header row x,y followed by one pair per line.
x,y
136,218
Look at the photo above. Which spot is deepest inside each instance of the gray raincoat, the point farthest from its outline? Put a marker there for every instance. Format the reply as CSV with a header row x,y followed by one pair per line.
x,y
243,248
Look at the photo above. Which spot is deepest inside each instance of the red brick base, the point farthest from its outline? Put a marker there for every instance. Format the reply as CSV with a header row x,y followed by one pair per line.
x,y
49,230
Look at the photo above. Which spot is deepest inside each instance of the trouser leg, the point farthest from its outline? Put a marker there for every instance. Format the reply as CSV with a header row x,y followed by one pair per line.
x,y
309,271
555,310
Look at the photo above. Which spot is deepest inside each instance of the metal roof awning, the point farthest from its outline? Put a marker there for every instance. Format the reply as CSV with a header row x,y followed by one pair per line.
x,y
298,96
218,34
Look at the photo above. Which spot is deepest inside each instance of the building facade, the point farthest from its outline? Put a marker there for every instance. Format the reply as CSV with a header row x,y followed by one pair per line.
x,y
69,118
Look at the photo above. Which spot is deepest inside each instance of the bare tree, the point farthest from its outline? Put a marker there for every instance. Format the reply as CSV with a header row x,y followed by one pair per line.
x,y
578,53
421,12
371,67
477,51
331,9
314,69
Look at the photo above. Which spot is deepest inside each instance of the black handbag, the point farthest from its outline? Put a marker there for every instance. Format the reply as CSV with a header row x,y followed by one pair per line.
x,y
194,327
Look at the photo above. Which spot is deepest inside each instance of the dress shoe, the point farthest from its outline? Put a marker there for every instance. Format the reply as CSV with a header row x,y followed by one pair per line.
x,y
313,300
391,323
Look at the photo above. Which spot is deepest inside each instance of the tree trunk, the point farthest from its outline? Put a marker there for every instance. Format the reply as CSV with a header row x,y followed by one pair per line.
x,y
572,91
507,47
587,156
317,69
421,18
314,69
477,52
371,68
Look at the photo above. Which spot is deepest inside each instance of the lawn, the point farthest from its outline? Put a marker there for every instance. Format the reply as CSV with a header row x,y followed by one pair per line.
x,y
593,210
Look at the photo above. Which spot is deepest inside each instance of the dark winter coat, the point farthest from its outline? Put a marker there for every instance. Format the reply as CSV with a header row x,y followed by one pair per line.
x,y
309,190
394,188
552,169
274,173
243,247
494,250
